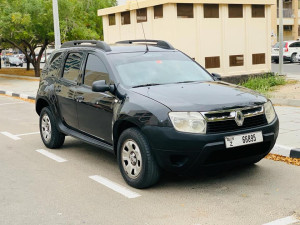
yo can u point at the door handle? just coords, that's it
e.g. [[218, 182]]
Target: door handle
[[79, 98]]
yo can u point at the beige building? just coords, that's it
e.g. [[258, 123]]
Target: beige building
[[225, 36], [291, 20]]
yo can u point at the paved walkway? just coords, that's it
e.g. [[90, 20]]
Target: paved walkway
[[289, 116], [19, 84]]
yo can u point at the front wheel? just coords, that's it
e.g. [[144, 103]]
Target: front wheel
[[50, 135], [137, 164]]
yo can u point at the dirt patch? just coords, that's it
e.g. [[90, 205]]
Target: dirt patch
[[17, 71], [289, 91]]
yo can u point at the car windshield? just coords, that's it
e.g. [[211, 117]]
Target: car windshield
[[156, 68]]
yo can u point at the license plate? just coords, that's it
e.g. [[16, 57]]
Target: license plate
[[243, 139]]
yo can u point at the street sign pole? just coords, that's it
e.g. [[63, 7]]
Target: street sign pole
[[56, 24], [280, 37]]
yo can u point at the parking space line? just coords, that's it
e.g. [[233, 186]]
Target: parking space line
[[27, 134], [14, 137], [12, 103], [51, 155], [284, 221], [114, 186]]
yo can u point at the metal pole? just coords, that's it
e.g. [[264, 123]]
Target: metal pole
[[280, 37], [56, 24]]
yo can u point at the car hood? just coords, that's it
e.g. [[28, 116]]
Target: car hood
[[202, 97]]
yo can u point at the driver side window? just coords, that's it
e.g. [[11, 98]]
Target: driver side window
[[94, 70]]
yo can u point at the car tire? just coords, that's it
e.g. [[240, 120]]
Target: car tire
[[136, 162], [21, 65], [294, 58], [50, 135]]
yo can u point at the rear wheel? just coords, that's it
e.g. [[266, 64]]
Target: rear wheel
[[294, 58], [50, 135], [137, 164]]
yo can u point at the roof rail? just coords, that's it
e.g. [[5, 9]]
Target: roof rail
[[87, 43], [159, 43]]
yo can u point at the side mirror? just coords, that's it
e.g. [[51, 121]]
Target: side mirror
[[216, 76], [101, 86]]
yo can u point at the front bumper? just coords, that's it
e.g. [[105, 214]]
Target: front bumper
[[182, 152]]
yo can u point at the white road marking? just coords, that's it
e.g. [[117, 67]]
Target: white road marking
[[114, 186], [14, 137], [12, 103], [51, 155], [281, 150], [284, 221], [27, 134]]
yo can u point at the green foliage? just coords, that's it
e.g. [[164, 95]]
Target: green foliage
[[33, 19], [264, 83], [28, 24]]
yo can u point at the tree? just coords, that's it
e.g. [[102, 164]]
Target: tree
[[28, 24]]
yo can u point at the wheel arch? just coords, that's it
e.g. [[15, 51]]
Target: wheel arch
[[40, 104], [118, 128]]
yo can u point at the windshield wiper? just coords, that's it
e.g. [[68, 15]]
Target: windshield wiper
[[145, 85]]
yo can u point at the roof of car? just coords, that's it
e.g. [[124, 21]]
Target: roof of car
[[120, 47]]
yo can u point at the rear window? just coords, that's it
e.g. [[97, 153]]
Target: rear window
[[140, 68], [277, 45]]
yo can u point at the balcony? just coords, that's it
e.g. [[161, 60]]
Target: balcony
[[287, 13]]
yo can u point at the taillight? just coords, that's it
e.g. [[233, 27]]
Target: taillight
[[286, 47]]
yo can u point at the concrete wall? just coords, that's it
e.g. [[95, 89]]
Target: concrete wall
[[201, 37]]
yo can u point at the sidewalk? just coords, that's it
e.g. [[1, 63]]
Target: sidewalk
[[289, 117], [19, 84]]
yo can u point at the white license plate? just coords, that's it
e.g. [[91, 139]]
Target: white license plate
[[243, 139]]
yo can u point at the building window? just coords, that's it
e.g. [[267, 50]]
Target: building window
[[236, 60], [235, 11], [185, 10], [212, 62], [259, 58], [211, 11], [112, 19], [299, 30], [141, 15], [158, 11], [125, 18], [258, 11]]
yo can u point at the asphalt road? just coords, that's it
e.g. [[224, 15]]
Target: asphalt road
[[36, 189], [292, 70]]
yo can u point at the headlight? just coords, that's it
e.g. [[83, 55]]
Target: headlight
[[269, 112], [190, 122]]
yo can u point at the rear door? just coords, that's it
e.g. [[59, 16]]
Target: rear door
[[95, 109], [66, 88]]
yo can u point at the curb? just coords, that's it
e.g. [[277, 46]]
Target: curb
[[10, 93], [286, 151]]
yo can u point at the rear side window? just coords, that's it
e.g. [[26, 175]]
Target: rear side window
[[72, 66], [54, 64], [295, 45], [94, 70]]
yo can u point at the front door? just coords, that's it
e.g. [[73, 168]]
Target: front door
[[95, 109], [66, 88]]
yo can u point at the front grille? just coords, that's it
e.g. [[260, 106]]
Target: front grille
[[230, 125]]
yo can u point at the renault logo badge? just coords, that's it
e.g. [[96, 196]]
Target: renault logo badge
[[239, 118]]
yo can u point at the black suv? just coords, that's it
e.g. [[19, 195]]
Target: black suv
[[152, 106]]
